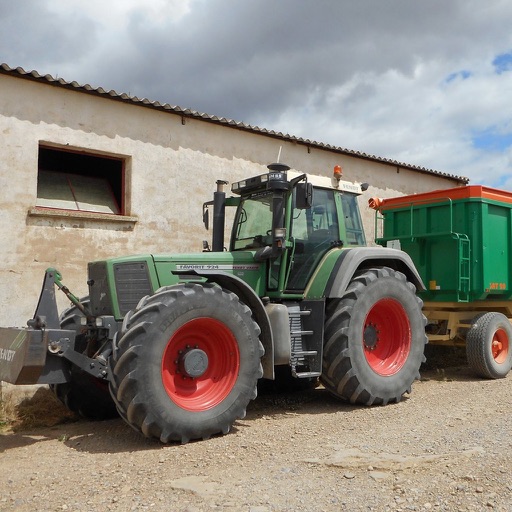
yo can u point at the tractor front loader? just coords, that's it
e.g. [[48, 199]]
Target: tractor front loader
[[176, 344]]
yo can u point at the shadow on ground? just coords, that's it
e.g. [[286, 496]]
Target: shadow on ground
[[43, 417]]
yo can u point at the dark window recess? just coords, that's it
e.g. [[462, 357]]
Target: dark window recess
[[79, 181]]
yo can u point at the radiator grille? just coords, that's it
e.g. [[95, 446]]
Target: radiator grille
[[132, 283]]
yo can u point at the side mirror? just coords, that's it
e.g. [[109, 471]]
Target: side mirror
[[304, 196], [206, 216]]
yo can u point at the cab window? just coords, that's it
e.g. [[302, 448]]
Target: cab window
[[314, 232], [352, 217], [253, 223]]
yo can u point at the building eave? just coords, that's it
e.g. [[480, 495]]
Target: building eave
[[193, 114]]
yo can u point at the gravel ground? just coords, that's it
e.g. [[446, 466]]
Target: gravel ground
[[446, 447]]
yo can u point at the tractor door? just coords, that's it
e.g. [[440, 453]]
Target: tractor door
[[313, 231]]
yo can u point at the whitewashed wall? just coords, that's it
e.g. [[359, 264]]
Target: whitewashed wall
[[171, 170]]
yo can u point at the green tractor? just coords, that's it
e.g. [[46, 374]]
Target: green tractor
[[176, 344]]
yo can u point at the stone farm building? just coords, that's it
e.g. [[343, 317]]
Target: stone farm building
[[88, 174]]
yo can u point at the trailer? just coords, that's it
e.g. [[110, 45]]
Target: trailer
[[460, 241]]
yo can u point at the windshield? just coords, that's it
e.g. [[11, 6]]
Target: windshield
[[253, 223]]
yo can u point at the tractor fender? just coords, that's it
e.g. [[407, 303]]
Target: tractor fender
[[250, 298], [351, 261]]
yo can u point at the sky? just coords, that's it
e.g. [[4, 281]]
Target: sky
[[428, 83]]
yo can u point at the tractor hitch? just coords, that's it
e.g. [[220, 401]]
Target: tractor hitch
[[28, 353]]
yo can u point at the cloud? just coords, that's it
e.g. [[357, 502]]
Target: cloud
[[427, 83], [33, 34]]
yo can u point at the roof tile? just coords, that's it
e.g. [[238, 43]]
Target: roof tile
[[34, 75]]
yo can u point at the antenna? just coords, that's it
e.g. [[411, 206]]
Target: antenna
[[279, 154]]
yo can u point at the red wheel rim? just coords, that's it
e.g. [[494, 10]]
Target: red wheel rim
[[386, 337], [219, 345], [500, 346]]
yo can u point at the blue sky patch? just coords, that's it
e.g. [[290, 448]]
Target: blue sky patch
[[463, 75], [491, 139], [502, 181], [503, 63]]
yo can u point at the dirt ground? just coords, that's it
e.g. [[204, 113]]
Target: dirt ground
[[446, 447]]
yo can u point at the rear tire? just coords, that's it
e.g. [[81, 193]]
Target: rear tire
[[187, 363], [83, 394], [374, 339], [488, 345]]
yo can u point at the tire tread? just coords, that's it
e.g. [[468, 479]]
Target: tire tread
[[339, 374]]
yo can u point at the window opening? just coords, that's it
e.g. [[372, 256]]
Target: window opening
[[79, 181]]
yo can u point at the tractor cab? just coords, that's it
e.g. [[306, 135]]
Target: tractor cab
[[291, 221]]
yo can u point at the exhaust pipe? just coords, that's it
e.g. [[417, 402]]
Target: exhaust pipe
[[219, 214]]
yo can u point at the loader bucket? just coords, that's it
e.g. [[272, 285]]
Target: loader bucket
[[22, 355]]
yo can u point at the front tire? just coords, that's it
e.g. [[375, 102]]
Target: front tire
[[187, 363], [488, 345], [84, 394], [374, 339]]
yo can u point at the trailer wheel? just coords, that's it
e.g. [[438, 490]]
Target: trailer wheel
[[187, 363], [83, 394], [488, 345], [374, 339]]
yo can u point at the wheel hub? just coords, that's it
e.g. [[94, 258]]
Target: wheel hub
[[497, 348], [370, 336], [193, 363]]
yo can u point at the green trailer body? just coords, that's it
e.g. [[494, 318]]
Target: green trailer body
[[460, 242], [459, 239]]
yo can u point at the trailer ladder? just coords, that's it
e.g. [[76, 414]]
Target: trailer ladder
[[464, 271]]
